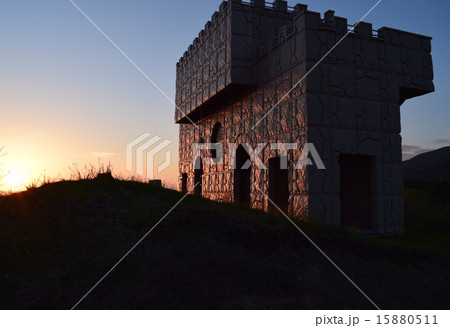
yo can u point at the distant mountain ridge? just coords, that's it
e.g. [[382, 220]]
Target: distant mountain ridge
[[433, 166]]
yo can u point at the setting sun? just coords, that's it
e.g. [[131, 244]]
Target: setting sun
[[14, 181]]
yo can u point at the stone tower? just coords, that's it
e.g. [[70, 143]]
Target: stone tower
[[245, 61]]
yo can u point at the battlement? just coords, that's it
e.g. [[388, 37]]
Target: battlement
[[227, 52], [339, 25], [224, 9], [205, 33]]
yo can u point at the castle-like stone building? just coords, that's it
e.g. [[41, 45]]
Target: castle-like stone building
[[247, 59]]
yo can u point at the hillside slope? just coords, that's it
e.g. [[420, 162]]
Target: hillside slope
[[57, 241], [433, 166]]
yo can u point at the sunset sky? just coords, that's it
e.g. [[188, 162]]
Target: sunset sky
[[68, 96]]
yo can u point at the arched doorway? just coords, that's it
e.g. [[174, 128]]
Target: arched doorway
[[217, 136], [242, 177]]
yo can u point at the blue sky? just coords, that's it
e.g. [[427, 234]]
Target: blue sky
[[67, 95]]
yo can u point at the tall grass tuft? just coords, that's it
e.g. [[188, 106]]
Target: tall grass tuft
[[89, 171]]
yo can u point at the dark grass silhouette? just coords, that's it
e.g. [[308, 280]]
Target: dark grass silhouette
[[58, 240]]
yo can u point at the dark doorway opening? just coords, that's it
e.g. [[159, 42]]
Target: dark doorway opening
[[278, 185], [184, 178], [217, 136], [198, 173], [242, 177], [357, 174]]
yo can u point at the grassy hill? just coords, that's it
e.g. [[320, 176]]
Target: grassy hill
[[58, 240]]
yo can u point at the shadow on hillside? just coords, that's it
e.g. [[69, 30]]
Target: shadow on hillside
[[58, 240]]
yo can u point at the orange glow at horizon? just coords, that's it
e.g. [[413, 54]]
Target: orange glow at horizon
[[32, 164], [14, 181]]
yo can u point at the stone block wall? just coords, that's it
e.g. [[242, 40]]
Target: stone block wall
[[225, 52], [348, 105]]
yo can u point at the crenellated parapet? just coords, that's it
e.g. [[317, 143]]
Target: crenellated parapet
[[224, 53], [227, 53], [210, 27], [224, 9]]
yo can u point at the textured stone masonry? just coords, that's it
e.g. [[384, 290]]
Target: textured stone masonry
[[246, 60]]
